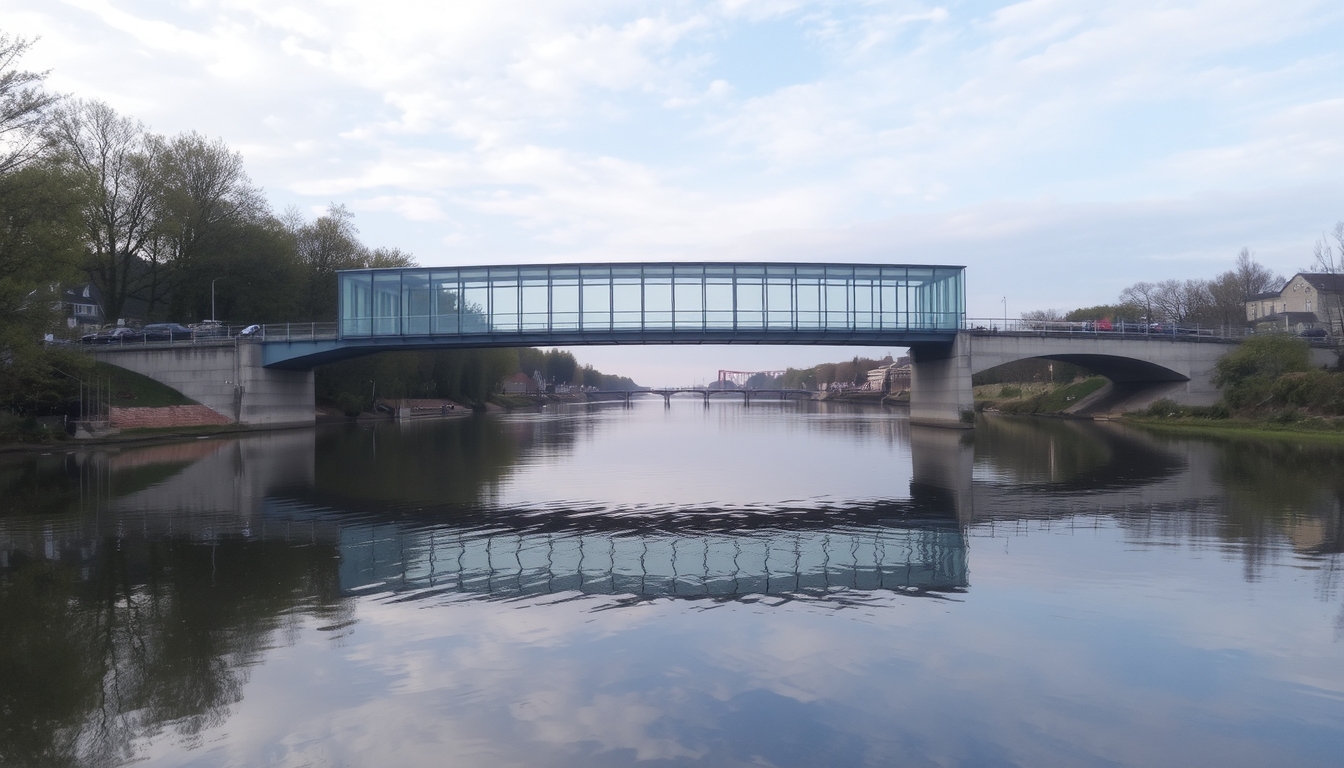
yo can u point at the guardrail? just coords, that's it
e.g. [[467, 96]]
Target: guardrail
[[221, 334], [1102, 328]]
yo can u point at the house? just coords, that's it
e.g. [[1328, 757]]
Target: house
[[520, 384], [1307, 300], [82, 306]]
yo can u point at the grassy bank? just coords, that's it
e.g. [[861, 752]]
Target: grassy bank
[[1312, 428], [1035, 398], [131, 390]]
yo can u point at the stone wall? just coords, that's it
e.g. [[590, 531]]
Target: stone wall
[[167, 416]]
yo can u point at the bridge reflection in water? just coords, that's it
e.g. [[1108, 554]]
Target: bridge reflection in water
[[930, 557]]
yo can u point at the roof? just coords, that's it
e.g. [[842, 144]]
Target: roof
[[1324, 281], [1265, 295]]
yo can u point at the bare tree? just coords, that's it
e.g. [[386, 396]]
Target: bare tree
[[1181, 301], [1141, 294], [1253, 277], [24, 106], [1325, 257], [119, 220]]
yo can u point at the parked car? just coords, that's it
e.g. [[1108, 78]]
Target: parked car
[[1314, 333], [209, 329], [166, 332], [118, 335]]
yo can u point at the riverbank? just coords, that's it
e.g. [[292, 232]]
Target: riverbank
[[1309, 427]]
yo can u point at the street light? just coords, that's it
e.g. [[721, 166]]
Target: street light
[[212, 298]]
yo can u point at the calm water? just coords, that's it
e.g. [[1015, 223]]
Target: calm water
[[774, 585]]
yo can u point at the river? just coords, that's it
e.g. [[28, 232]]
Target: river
[[783, 584]]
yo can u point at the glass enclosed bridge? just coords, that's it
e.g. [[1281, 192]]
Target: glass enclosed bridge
[[655, 303]]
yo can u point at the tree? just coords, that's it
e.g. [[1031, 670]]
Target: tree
[[1180, 301], [1247, 373], [1043, 315], [40, 248], [203, 198], [1140, 295], [24, 106], [1325, 259], [119, 219]]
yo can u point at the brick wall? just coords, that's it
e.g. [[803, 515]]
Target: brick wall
[[168, 416]]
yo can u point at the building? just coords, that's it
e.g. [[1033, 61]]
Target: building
[[1307, 300], [520, 384], [82, 306], [892, 377]]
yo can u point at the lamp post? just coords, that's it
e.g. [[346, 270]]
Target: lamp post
[[1005, 313], [212, 298]]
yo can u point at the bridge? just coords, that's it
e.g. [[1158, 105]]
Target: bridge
[[267, 378], [667, 393]]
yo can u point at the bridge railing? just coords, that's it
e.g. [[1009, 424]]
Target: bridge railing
[[214, 335], [1102, 328]]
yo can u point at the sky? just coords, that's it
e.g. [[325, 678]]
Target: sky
[[1059, 149]]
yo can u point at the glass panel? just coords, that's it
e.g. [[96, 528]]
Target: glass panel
[[779, 303], [596, 303], [447, 300], [750, 302], [536, 304], [837, 304], [657, 303], [865, 317], [887, 295], [809, 303], [627, 304], [719, 302], [356, 308], [504, 305], [418, 301], [689, 296], [475, 305], [565, 303], [386, 303]]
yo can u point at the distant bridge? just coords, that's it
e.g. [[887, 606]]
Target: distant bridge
[[706, 393]]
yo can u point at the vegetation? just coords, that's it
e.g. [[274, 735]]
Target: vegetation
[[1042, 398], [1267, 383], [851, 373]]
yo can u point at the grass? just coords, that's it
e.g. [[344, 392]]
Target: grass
[[1037, 398], [132, 390], [1327, 430]]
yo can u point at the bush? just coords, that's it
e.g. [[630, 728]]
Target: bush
[[1247, 374], [1010, 392]]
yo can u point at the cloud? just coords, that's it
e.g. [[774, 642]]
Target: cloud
[[596, 129]]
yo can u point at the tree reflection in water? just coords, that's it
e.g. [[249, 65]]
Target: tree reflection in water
[[143, 637]]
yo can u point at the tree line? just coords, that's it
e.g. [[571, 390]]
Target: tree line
[[1217, 302]]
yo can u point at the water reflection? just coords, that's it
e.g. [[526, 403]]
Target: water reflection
[[142, 588]]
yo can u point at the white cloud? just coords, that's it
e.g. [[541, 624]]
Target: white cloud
[[599, 129]]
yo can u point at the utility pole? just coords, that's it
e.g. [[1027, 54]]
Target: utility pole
[[212, 298]]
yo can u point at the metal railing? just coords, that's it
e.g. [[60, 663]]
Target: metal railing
[[217, 335], [1103, 328]]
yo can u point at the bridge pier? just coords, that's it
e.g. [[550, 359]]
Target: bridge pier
[[227, 378], [940, 384]]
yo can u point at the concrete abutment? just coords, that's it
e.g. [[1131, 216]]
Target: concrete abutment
[[227, 378]]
